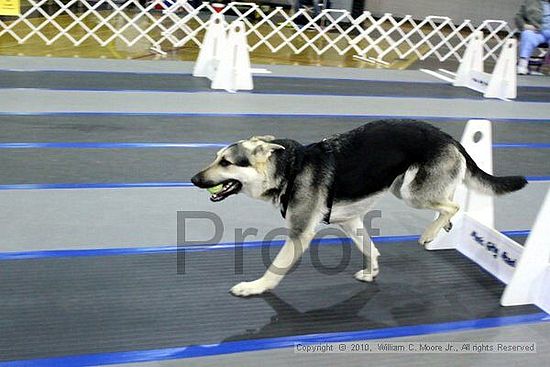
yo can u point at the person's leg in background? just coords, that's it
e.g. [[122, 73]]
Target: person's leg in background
[[529, 40], [300, 20], [316, 8], [299, 4]]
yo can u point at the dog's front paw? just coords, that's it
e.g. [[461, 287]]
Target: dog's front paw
[[245, 289]]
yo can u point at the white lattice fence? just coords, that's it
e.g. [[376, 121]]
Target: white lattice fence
[[174, 23]]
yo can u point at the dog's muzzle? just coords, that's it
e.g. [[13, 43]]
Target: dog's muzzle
[[229, 187]]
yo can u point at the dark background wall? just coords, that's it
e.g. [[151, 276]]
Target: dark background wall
[[458, 10]]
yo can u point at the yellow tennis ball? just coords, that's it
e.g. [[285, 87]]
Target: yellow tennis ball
[[215, 189]]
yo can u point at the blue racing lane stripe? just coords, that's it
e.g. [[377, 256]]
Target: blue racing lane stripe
[[194, 351], [22, 255], [101, 145], [124, 145], [537, 178], [131, 185], [522, 145], [105, 185]]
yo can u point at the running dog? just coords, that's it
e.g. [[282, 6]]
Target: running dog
[[339, 178]]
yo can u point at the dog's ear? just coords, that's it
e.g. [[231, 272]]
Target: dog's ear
[[263, 151], [262, 138]]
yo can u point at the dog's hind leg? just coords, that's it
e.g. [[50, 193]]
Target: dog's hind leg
[[356, 230], [432, 186], [447, 209], [449, 225]]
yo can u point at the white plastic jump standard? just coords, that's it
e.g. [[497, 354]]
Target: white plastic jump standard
[[502, 83], [224, 56], [531, 281], [526, 270], [471, 64], [211, 49], [234, 72], [477, 140]]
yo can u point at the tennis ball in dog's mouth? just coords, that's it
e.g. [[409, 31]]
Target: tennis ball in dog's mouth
[[215, 189]]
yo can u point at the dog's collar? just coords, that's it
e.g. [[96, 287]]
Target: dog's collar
[[330, 194], [292, 171]]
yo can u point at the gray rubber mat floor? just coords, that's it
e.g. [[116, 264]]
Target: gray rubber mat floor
[[24, 63], [94, 81], [221, 128], [138, 302], [40, 166], [14, 101], [44, 166]]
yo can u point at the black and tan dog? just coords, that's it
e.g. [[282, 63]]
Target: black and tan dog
[[338, 179]]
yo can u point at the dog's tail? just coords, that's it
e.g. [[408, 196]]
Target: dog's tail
[[481, 181]]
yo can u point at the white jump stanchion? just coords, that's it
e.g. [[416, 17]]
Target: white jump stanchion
[[531, 281], [472, 62], [473, 232], [477, 140], [234, 72], [211, 49], [224, 58], [502, 83], [526, 270]]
